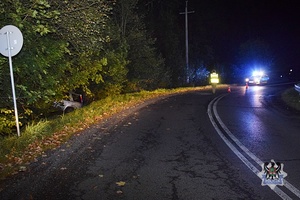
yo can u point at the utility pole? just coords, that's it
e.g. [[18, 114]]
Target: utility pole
[[187, 40]]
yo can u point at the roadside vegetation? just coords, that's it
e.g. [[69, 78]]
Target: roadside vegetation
[[292, 98]]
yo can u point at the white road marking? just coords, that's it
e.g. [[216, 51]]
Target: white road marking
[[213, 104]]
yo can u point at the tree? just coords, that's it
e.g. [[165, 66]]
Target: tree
[[96, 47], [161, 17], [62, 39], [62, 52], [145, 65], [37, 65], [115, 71]]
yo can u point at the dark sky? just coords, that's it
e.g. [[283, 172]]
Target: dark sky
[[229, 23]]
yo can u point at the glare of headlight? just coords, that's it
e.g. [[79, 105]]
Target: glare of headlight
[[257, 80], [258, 73], [247, 79]]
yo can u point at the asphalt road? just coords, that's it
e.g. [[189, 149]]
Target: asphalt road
[[267, 129], [168, 149]]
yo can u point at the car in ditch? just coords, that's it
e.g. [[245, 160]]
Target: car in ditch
[[69, 105]]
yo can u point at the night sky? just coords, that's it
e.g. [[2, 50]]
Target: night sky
[[229, 23]]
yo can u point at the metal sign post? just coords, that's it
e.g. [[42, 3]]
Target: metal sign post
[[11, 42]]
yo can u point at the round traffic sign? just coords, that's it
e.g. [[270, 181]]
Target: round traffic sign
[[10, 38]]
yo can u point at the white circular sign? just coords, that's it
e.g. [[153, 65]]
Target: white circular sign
[[10, 35]]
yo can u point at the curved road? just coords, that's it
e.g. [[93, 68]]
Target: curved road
[[168, 149], [265, 129]]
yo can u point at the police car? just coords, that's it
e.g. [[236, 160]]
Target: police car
[[258, 78]]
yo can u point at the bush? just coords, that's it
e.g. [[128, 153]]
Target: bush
[[7, 122]]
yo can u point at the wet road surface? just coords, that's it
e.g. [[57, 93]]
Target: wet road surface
[[266, 128]]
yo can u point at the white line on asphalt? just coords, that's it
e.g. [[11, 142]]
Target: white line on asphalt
[[247, 151], [277, 190]]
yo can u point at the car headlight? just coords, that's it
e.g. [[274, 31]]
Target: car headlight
[[257, 80]]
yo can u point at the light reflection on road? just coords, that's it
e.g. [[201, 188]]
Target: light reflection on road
[[256, 94], [253, 127], [252, 124]]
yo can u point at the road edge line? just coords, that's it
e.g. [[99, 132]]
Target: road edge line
[[278, 191]]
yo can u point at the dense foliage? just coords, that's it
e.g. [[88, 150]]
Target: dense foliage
[[97, 48]]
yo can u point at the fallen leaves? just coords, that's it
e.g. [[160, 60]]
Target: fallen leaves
[[22, 168], [34, 150], [119, 192], [121, 183]]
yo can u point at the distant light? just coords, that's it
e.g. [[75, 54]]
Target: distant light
[[291, 70]]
